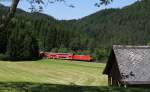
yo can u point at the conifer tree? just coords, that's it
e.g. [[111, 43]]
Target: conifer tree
[[22, 46]]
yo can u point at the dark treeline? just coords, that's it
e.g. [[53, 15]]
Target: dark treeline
[[93, 34]]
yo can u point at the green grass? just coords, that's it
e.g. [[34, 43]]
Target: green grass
[[55, 76], [54, 72]]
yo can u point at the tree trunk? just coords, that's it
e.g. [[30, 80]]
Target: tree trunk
[[6, 18]]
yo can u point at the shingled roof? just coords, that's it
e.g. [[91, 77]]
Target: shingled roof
[[133, 63]]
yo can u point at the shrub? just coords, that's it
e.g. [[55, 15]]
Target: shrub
[[3, 57]]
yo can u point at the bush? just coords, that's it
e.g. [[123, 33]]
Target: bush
[[3, 57], [63, 50], [100, 54]]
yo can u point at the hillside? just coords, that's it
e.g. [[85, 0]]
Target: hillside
[[129, 25], [47, 30], [96, 32]]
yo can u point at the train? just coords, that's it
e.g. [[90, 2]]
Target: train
[[66, 56]]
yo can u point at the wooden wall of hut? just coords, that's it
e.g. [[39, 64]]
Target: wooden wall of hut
[[114, 75]]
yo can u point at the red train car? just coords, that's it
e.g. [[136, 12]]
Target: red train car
[[82, 57], [68, 56], [59, 55], [56, 55]]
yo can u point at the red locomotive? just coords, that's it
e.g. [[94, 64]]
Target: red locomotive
[[67, 56]]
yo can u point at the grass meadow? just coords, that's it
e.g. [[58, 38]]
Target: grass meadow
[[56, 76]]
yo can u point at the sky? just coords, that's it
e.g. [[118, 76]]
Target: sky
[[82, 8]]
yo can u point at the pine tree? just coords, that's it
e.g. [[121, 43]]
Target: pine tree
[[3, 41], [22, 46]]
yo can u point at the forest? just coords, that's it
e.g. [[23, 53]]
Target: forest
[[30, 33]]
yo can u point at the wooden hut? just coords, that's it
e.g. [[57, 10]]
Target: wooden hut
[[128, 66]]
